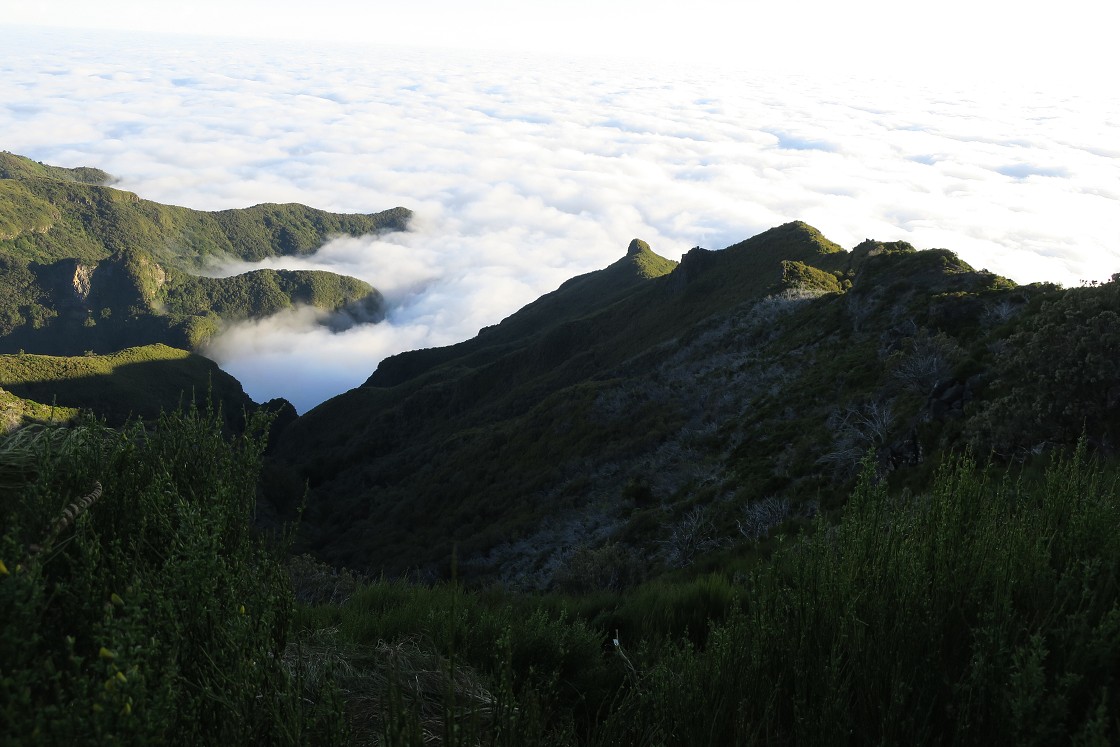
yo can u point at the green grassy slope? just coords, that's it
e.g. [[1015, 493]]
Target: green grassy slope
[[136, 382], [16, 412], [48, 214], [19, 167], [85, 267]]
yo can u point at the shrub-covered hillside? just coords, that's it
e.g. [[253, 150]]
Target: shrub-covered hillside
[[138, 608], [86, 267], [662, 417]]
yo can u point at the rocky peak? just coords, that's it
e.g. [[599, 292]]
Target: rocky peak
[[637, 246]]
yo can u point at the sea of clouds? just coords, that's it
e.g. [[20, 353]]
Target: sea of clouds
[[525, 171]]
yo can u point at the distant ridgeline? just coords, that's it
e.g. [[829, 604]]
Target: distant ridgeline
[[85, 267], [88, 270], [646, 415]]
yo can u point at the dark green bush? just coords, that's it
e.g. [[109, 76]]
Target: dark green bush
[[149, 615], [986, 612]]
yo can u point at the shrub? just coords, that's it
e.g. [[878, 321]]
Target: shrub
[[986, 612], [611, 567], [148, 614]]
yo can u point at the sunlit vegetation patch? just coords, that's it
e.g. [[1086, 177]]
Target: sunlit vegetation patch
[[21, 212], [140, 382], [84, 266], [16, 412]]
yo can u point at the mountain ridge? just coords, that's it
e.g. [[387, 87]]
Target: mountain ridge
[[87, 267], [575, 297], [91, 220], [600, 418], [626, 408]]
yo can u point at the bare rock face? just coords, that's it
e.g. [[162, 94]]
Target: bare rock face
[[83, 276], [695, 262]]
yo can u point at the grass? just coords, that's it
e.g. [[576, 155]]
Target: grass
[[141, 382], [983, 609]]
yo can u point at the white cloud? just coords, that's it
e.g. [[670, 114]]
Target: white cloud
[[1022, 41], [523, 174]]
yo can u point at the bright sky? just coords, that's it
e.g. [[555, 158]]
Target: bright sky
[[1022, 40]]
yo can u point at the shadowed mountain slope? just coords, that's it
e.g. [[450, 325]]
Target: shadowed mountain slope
[[658, 418], [577, 298], [605, 409]]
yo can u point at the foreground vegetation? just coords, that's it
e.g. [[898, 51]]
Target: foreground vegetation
[[137, 608], [983, 609]]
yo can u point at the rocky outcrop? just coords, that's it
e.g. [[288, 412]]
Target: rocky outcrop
[[83, 277], [694, 263]]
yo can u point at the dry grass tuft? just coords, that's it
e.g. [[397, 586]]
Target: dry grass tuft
[[67, 518], [318, 583], [370, 678], [22, 451]]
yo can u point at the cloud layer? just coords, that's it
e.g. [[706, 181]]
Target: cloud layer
[[524, 172]]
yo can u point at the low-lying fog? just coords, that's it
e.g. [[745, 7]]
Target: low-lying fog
[[524, 172]]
